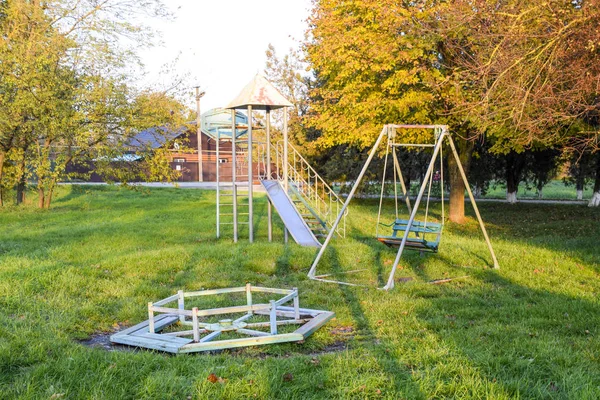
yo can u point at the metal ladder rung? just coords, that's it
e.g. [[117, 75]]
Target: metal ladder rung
[[231, 214]]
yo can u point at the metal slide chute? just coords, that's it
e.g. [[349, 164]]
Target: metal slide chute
[[289, 214]]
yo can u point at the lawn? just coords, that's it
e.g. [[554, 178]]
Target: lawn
[[90, 265], [554, 190]]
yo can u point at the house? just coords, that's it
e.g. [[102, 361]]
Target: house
[[183, 146], [215, 123]]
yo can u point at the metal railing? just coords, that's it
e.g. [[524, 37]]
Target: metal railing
[[321, 198]]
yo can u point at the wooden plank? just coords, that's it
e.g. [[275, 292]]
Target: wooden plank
[[252, 332], [242, 318], [306, 311], [307, 329], [214, 291], [159, 324], [175, 311], [214, 311], [285, 314], [284, 322], [183, 333], [141, 325], [139, 341], [286, 299], [271, 290], [210, 336], [165, 338], [232, 310], [233, 343], [167, 300]]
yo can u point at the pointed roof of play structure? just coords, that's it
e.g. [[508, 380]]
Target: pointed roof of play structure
[[261, 95]]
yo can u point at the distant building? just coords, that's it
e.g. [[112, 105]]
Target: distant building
[[215, 122], [184, 148]]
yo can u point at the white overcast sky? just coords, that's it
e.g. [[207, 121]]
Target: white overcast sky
[[222, 43]]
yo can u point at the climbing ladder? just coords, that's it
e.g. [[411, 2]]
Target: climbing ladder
[[233, 205]]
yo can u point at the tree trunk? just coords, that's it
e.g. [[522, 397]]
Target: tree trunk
[[514, 167], [41, 198], [22, 182], [49, 193], [580, 183], [2, 157], [595, 201], [457, 185], [21, 186]]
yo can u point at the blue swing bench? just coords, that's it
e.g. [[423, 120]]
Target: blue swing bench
[[416, 240]]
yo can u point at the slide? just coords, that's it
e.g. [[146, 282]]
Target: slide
[[289, 214]]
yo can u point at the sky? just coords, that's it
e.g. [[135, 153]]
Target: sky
[[221, 44]]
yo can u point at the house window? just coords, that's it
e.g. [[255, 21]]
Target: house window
[[179, 160], [222, 160], [178, 167]]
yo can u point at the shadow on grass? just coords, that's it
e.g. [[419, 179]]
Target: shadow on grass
[[399, 374], [533, 343]]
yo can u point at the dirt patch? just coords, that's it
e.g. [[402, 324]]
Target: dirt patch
[[101, 340], [332, 348]]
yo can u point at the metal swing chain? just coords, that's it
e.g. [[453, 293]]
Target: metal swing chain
[[438, 136], [387, 152], [395, 184], [427, 205], [442, 178]]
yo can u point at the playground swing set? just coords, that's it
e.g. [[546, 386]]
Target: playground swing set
[[410, 234]]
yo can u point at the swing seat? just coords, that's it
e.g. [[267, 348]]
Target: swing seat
[[417, 241]]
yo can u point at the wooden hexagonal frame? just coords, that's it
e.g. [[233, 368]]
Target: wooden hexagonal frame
[[148, 334]]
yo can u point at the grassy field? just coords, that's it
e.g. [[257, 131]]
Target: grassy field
[[554, 190], [90, 265]]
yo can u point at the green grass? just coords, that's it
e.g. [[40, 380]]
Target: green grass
[[91, 263], [554, 190]]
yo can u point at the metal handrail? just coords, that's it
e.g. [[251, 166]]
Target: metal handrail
[[323, 199]]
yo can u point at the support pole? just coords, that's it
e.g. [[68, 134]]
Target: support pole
[[285, 163], [273, 317], [199, 132], [313, 268], [233, 176], [481, 225], [402, 184], [150, 318], [269, 205], [181, 305], [218, 178], [296, 305], [250, 180], [249, 297], [195, 325], [390, 282]]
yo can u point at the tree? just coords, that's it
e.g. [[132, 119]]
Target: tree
[[371, 67], [530, 68], [64, 87], [378, 62], [581, 169]]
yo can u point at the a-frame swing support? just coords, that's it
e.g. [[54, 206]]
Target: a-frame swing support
[[389, 130]]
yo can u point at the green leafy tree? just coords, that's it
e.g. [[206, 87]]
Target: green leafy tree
[[66, 95]]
